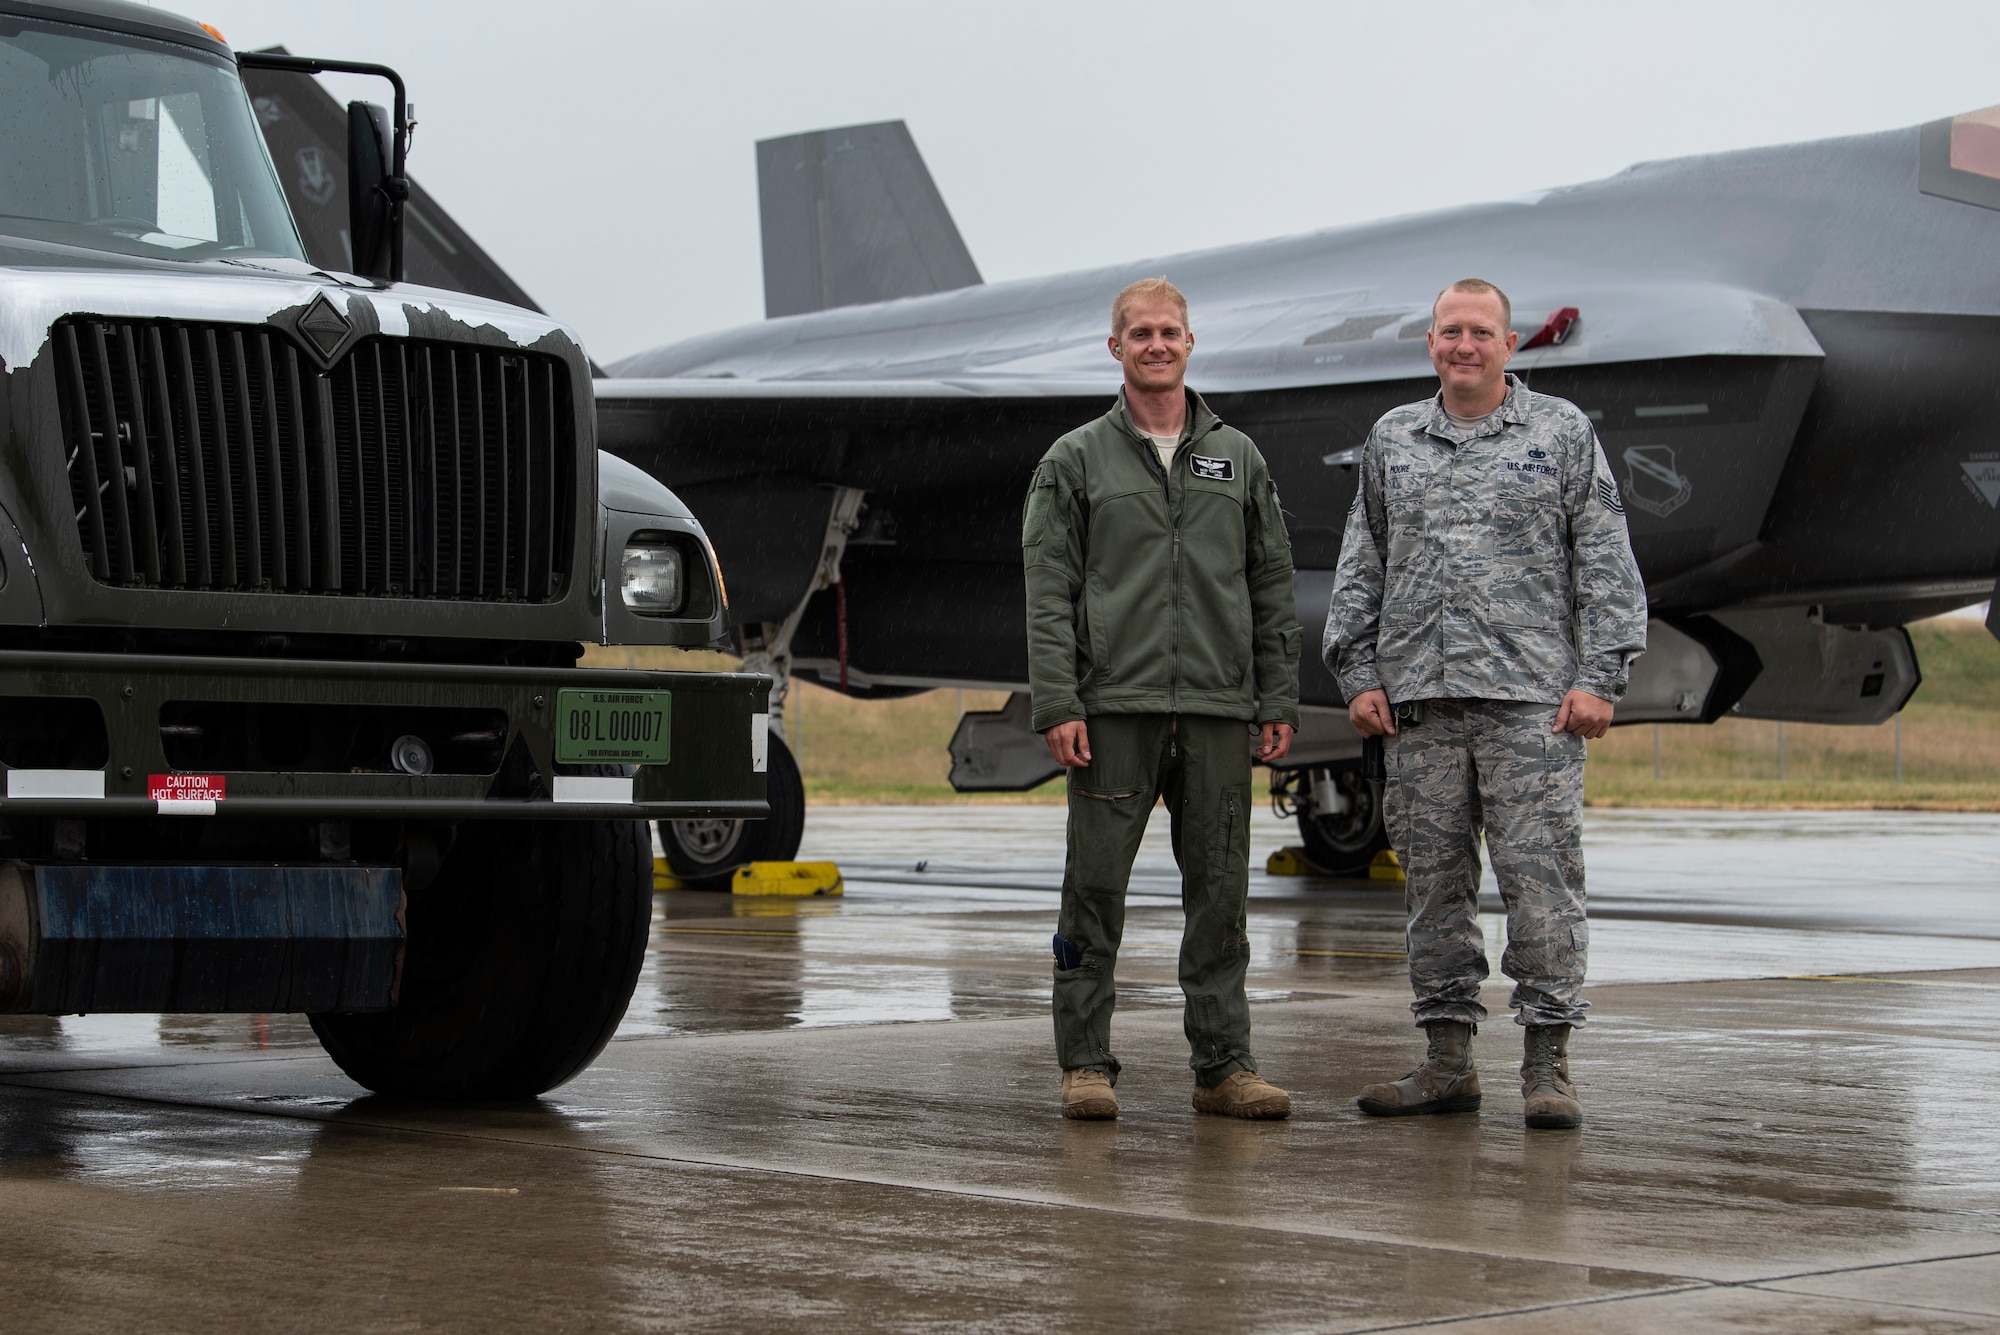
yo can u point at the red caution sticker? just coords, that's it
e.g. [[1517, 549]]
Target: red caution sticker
[[185, 787]]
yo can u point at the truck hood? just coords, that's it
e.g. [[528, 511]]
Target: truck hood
[[42, 282], [627, 487]]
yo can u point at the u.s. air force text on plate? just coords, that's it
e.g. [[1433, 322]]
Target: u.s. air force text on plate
[[613, 727]]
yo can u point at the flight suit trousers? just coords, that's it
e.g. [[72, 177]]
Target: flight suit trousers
[[1201, 766], [1491, 764]]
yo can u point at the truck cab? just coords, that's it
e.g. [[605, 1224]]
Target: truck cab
[[296, 567]]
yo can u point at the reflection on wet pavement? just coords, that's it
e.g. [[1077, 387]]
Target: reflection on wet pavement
[[840, 1113], [83, 1034], [1675, 896]]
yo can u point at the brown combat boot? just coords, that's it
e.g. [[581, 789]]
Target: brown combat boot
[[1244, 1094], [1087, 1096], [1551, 1098], [1445, 1083]]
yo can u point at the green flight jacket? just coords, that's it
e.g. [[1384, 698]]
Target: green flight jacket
[[1158, 591]]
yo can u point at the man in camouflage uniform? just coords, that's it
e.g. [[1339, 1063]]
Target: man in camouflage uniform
[[1486, 587]]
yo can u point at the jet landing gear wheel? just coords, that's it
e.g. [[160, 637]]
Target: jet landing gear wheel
[[705, 852], [1340, 820], [520, 962]]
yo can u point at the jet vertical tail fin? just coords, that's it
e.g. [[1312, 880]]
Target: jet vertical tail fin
[[851, 216]]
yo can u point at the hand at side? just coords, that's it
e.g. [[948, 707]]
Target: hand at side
[[1275, 741], [1069, 744], [1584, 714], [1370, 714]]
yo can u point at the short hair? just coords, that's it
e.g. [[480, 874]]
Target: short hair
[[1139, 291], [1477, 286]]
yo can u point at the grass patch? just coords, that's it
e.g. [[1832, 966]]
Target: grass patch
[[1950, 736], [894, 751], [857, 751], [890, 750]]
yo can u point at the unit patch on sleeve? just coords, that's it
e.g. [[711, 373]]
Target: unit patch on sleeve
[[1215, 470]]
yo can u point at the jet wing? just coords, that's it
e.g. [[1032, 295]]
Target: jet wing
[[1693, 388], [617, 389], [942, 465]]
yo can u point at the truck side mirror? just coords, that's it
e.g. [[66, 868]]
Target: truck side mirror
[[374, 212], [378, 182]]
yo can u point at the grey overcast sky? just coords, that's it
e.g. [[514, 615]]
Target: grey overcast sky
[[602, 150]]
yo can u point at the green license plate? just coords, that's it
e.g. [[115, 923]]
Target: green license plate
[[613, 727]]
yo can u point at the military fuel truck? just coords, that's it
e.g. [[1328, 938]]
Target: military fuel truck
[[296, 567]]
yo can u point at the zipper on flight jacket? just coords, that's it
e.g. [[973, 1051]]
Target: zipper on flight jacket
[[1174, 569]]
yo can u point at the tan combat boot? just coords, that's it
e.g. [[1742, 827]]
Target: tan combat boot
[[1445, 1083], [1551, 1098], [1087, 1096], [1244, 1094]]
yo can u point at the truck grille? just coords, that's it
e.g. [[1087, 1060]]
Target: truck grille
[[217, 456]]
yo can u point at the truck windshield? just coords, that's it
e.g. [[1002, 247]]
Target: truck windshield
[[123, 144]]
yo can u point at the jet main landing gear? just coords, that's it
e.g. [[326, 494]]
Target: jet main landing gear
[[707, 852], [1339, 814]]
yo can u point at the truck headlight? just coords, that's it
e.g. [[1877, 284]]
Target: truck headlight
[[653, 578]]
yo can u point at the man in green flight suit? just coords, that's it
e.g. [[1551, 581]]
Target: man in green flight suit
[[1162, 634]]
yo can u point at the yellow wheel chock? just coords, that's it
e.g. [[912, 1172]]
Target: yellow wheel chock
[[1290, 862], [800, 879], [1385, 867]]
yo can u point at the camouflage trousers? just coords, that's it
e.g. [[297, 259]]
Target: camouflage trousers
[[1201, 766], [1491, 765]]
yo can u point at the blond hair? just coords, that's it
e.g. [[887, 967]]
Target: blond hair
[[1144, 289], [1477, 286]]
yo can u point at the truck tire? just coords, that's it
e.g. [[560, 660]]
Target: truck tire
[[706, 852], [520, 961], [1345, 844]]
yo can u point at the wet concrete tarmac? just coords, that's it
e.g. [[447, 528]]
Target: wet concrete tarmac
[[840, 1114]]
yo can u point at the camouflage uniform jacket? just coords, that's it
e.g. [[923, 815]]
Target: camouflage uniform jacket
[[1494, 568]]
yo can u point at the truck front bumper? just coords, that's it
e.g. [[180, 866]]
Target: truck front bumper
[[717, 723]]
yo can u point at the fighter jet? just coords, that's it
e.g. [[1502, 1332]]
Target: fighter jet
[[1787, 352]]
